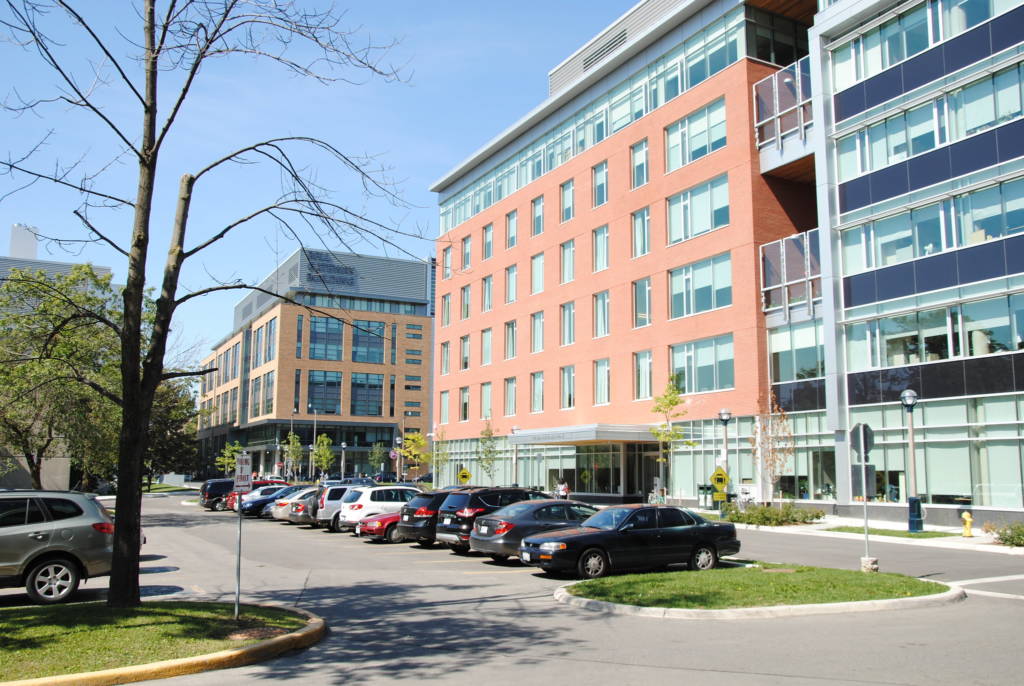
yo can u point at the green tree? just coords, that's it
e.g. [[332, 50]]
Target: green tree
[[323, 455], [172, 443], [134, 74], [414, 449], [379, 456], [226, 460], [488, 458], [440, 455], [292, 454], [668, 407]]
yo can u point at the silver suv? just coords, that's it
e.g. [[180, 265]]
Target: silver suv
[[50, 541]]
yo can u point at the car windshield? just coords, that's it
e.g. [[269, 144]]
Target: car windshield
[[455, 501], [285, 492], [352, 495], [514, 510], [607, 519]]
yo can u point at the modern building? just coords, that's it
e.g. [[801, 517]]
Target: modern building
[[348, 354], [771, 205]]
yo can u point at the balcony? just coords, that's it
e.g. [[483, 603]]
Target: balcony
[[782, 115], [791, 278]]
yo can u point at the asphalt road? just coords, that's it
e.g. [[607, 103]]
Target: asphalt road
[[402, 613]]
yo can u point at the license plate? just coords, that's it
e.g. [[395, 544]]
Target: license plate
[[357, 529], [526, 557], [484, 530], [405, 518], [447, 520]]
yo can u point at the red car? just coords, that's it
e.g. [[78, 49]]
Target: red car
[[383, 527], [230, 502]]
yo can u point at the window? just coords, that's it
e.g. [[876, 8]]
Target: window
[[566, 194], [323, 392], [602, 381], [642, 370], [485, 400], [268, 393], [511, 229], [367, 395], [464, 352], [443, 407], [325, 335], [467, 252], [695, 136], [464, 404], [510, 396], [796, 352], [600, 248], [368, 341], [701, 286], [568, 387], [704, 365], [537, 392], [298, 344], [446, 263], [510, 340], [638, 157], [537, 208], [567, 261], [485, 346], [602, 314], [641, 232], [510, 283], [568, 321], [642, 302], [487, 239], [446, 309], [536, 332], [599, 176], [486, 293], [445, 357], [698, 210], [537, 273], [257, 355], [296, 398], [271, 350], [465, 297]]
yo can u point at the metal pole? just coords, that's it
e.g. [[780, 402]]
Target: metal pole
[[864, 488], [312, 446], [238, 556], [914, 523]]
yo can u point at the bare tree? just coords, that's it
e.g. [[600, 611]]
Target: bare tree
[[772, 442], [136, 86]]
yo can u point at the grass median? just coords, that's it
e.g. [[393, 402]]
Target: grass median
[[897, 533], [759, 586], [41, 641]]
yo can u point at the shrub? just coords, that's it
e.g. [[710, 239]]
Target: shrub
[[769, 515], [1010, 534]]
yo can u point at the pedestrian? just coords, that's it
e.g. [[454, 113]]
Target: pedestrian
[[562, 490]]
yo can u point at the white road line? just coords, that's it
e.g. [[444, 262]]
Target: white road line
[[987, 580], [993, 594], [503, 571]]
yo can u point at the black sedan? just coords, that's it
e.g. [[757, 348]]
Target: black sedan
[[500, 533], [254, 507], [632, 537]]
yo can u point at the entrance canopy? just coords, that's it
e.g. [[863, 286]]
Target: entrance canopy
[[587, 433]]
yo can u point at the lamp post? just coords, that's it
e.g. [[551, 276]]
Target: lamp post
[[343, 446], [398, 458], [312, 445], [914, 522], [724, 415], [515, 459]]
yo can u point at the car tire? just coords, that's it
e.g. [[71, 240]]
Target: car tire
[[333, 526], [52, 581], [704, 557], [497, 557], [459, 549], [592, 564], [425, 543], [314, 524], [220, 506], [391, 535]]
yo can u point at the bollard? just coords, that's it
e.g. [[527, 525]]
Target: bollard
[[869, 564], [966, 516]]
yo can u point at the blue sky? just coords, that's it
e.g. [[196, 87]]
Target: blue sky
[[471, 69]]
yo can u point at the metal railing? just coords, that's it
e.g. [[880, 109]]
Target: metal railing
[[782, 104], [791, 272]]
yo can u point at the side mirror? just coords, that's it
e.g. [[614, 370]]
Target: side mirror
[[627, 527]]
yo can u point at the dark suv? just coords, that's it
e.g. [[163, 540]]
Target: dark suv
[[418, 517], [213, 493], [461, 508]]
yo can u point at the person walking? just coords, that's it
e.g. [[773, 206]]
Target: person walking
[[562, 490]]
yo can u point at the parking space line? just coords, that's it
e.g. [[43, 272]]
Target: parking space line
[[993, 594], [987, 580], [439, 562], [503, 571]]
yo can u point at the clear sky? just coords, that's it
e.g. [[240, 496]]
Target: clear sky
[[470, 70]]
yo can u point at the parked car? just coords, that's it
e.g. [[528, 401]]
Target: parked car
[[385, 477], [328, 503], [52, 541], [255, 507], [303, 510], [424, 479], [357, 481], [461, 508], [364, 501], [282, 506], [499, 533], [381, 527], [632, 537], [213, 492], [419, 517], [231, 502]]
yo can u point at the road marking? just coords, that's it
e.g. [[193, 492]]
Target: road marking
[[987, 580], [503, 571], [993, 594], [199, 589], [440, 562]]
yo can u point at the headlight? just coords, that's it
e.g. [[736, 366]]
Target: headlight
[[552, 546], [373, 525]]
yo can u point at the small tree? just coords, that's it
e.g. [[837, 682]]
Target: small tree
[[226, 460], [414, 449], [379, 456], [667, 405], [773, 446], [488, 451], [292, 453], [323, 455], [440, 456]]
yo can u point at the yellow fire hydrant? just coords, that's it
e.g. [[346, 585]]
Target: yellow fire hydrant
[[966, 516]]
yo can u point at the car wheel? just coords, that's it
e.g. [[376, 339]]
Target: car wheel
[[333, 526], [220, 506], [391, 535], [499, 558], [52, 581], [704, 557], [314, 524], [425, 543], [460, 549], [593, 564]]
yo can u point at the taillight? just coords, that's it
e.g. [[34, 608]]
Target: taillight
[[469, 512], [322, 499], [280, 503], [104, 527], [299, 507], [356, 506], [424, 512], [503, 528]]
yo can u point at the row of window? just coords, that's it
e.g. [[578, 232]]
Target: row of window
[[344, 302], [264, 347], [225, 366], [976, 107], [695, 367]]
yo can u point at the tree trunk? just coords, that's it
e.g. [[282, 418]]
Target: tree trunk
[[35, 469]]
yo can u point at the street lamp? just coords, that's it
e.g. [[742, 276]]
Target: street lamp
[[313, 444], [515, 459], [398, 458], [914, 522], [724, 415], [343, 446]]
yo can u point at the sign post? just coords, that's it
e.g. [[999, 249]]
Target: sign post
[[464, 476], [243, 484], [862, 439], [720, 480]]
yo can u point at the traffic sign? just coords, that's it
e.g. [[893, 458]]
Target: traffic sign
[[719, 479], [394, 454], [718, 496], [464, 476], [855, 439], [243, 472]]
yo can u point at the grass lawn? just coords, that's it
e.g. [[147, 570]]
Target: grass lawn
[[764, 586], [890, 532], [42, 641]]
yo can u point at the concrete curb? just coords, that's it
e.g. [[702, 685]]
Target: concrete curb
[[954, 594], [308, 635]]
